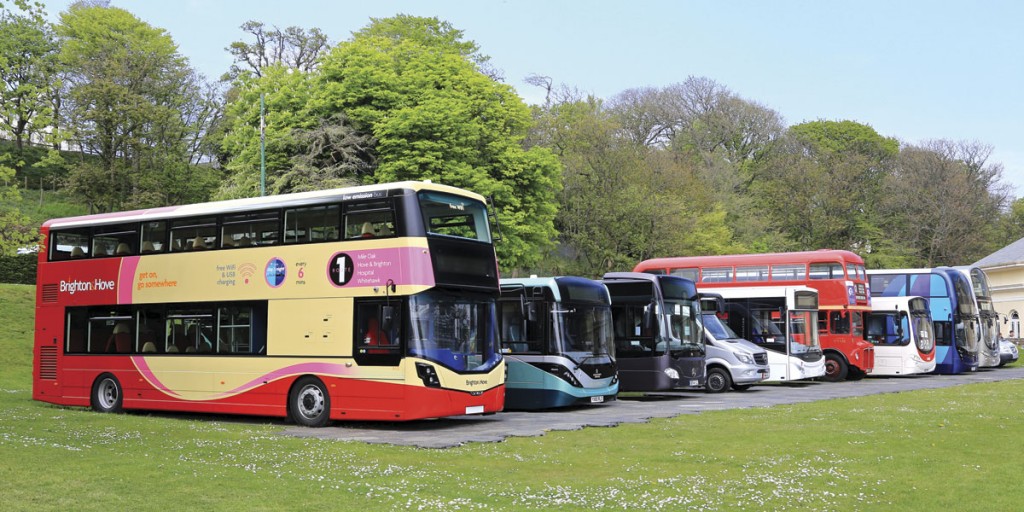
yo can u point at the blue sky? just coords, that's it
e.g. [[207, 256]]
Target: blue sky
[[914, 70]]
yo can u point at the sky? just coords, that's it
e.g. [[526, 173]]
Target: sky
[[914, 70]]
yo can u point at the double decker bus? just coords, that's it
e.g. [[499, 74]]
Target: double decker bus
[[659, 343], [903, 334], [988, 319], [365, 303], [951, 304], [556, 338], [782, 320], [838, 276]]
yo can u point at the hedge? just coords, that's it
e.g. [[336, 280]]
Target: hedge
[[19, 269]]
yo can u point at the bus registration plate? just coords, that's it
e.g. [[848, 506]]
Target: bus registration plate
[[475, 409], [694, 383], [596, 399]]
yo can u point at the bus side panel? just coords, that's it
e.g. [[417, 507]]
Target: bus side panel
[[406, 402], [46, 355], [531, 388], [310, 327]]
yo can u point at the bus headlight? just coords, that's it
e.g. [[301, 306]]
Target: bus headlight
[[672, 373], [428, 375], [744, 358], [561, 372]]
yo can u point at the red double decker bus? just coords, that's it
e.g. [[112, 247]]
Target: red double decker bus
[[365, 303], [839, 276]]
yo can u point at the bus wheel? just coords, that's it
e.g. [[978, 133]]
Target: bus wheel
[[835, 368], [107, 395], [309, 404], [718, 380]]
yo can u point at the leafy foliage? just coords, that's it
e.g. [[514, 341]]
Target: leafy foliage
[[15, 228], [332, 154], [133, 101], [414, 85], [28, 75], [285, 98]]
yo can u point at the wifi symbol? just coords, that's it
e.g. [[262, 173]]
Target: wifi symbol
[[246, 270]]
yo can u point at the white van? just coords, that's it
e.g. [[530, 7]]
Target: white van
[[731, 361]]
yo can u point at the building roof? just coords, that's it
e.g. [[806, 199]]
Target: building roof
[[1012, 254]]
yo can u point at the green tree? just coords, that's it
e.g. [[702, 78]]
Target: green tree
[[28, 74], [822, 185], [942, 201], [286, 96], [622, 200], [721, 135], [1012, 223], [332, 155], [416, 87], [16, 230], [134, 102]]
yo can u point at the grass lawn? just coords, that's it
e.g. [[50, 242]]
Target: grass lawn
[[953, 448]]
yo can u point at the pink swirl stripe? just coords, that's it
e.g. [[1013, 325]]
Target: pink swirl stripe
[[147, 373], [332, 369], [126, 279]]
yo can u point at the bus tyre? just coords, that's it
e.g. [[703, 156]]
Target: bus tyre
[[107, 395], [309, 404], [836, 368], [718, 380]]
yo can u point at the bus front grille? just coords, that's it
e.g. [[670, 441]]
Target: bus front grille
[[761, 358]]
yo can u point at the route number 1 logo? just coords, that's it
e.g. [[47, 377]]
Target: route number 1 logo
[[340, 269]]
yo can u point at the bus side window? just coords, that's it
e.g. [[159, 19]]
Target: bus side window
[[66, 245], [369, 220], [839, 322]]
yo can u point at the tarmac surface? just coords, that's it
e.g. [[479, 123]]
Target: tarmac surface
[[459, 430]]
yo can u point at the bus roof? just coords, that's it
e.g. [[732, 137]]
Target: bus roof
[[750, 259], [880, 303], [556, 285], [756, 292], [252, 203], [635, 276]]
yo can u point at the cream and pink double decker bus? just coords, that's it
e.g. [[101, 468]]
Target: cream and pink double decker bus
[[839, 277], [365, 303]]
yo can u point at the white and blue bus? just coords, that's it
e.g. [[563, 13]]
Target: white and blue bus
[[556, 337], [988, 319], [903, 334], [951, 303]]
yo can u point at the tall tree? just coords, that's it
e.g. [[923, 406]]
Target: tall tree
[[332, 154], [722, 135], [623, 201], [134, 103], [942, 201], [415, 86], [293, 47], [284, 95], [821, 187], [28, 75]]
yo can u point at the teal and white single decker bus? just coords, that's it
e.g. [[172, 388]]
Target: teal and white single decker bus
[[556, 337]]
